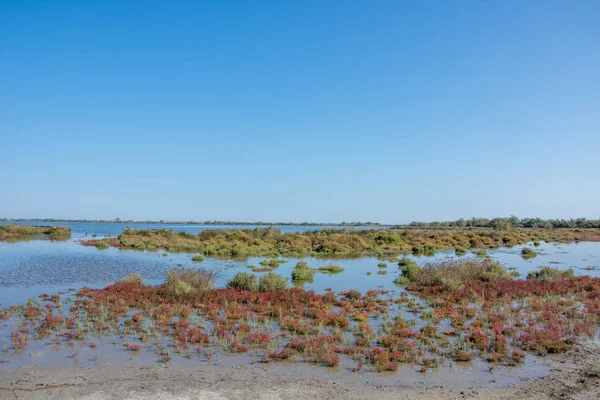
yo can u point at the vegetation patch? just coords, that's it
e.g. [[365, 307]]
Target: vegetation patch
[[549, 274], [271, 242], [302, 274], [490, 318], [17, 232], [331, 269]]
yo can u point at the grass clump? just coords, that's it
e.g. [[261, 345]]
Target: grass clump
[[185, 281], [526, 252], [454, 273], [550, 274], [481, 253], [331, 269], [408, 268], [460, 251], [197, 259], [16, 230], [102, 246], [302, 273], [272, 263], [382, 265], [271, 242], [134, 279], [243, 281], [272, 282]]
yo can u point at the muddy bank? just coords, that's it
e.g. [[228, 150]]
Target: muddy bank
[[574, 375]]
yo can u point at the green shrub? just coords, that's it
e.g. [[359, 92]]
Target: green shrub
[[184, 281], [460, 251], [481, 253], [401, 281], [549, 274], [408, 268], [382, 265], [454, 273], [331, 269], [102, 245], [272, 263], [197, 258], [526, 252], [302, 273], [133, 279], [179, 288], [429, 249], [272, 282], [243, 281]]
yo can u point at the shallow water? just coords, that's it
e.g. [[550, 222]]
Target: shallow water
[[28, 269], [473, 374]]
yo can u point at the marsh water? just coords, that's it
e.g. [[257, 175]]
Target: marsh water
[[30, 268]]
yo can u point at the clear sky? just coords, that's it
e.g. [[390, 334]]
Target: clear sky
[[388, 111]]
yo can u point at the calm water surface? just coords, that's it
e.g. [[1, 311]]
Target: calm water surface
[[30, 268]]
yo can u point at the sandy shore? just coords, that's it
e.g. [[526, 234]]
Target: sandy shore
[[571, 378]]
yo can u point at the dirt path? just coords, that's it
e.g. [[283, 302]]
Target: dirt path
[[572, 378]]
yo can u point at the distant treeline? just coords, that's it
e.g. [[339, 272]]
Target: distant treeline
[[131, 221], [507, 223]]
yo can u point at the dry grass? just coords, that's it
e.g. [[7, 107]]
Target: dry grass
[[454, 273], [185, 281]]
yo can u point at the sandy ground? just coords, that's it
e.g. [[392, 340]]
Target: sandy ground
[[572, 377]]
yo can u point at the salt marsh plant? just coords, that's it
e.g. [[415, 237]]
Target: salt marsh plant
[[243, 281], [270, 242], [302, 273], [185, 281], [272, 282], [451, 274], [549, 274], [16, 231], [526, 253], [331, 269]]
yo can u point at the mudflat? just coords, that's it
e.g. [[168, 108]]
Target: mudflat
[[573, 376]]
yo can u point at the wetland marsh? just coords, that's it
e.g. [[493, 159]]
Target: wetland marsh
[[359, 317]]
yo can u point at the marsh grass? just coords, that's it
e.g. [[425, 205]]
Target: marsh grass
[[331, 269], [185, 281], [243, 281], [302, 273], [385, 243], [452, 274], [526, 253], [15, 230], [550, 274], [133, 279], [272, 282]]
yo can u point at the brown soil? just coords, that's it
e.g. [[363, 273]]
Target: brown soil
[[574, 376]]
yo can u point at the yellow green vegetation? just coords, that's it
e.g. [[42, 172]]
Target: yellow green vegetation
[[270, 242], [14, 231], [451, 274], [549, 274], [270, 282], [331, 269], [526, 252], [182, 282], [302, 273]]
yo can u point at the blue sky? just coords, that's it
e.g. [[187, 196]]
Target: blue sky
[[388, 111]]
